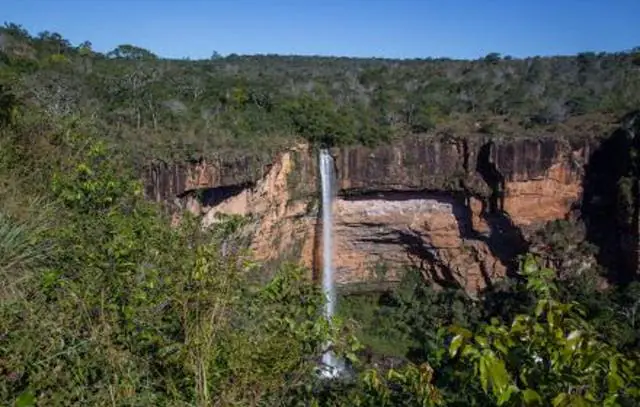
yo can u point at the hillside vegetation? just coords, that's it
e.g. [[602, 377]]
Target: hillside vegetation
[[103, 303], [183, 109]]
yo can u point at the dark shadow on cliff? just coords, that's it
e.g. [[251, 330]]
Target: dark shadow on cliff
[[602, 204], [423, 257], [505, 240], [492, 177], [210, 197]]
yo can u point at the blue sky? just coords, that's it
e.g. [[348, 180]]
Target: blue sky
[[383, 28]]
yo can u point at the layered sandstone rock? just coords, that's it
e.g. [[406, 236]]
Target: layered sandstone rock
[[164, 181], [377, 236], [283, 227], [456, 208]]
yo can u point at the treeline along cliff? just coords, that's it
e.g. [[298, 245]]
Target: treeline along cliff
[[181, 109], [447, 164]]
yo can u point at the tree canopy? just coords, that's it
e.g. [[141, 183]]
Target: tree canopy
[[166, 107]]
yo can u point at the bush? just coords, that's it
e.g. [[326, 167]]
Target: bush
[[129, 311]]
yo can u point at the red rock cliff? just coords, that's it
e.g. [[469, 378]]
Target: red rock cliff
[[457, 208]]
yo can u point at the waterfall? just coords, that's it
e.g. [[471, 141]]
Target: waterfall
[[331, 364]]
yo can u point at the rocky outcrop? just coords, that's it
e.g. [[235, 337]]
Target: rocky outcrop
[[283, 226], [459, 209], [548, 171], [376, 236], [164, 181]]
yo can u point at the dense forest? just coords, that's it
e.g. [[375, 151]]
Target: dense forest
[[102, 303], [182, 108]]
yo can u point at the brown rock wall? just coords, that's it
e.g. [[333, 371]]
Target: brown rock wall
[[453, 207]]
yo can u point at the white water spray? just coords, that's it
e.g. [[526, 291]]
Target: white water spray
[[331, 365]]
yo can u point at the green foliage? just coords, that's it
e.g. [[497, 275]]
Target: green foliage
[[137, 313], [256, 104], [22, 247], [409, 324], [563, 244], [319, 121], [8, 106], [409, 386], [625, 200], [128, 51], [103, 303], [92, 186], [553, 357], [380, 326], [405, 322]]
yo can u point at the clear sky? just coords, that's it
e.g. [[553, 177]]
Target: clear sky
[[383, 28]]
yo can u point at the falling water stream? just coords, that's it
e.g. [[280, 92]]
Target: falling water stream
[[331, 364]]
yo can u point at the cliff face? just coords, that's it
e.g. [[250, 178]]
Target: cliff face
[[166, 181], [459, 209], [504, 171]]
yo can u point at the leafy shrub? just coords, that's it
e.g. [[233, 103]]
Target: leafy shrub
[[553, 357], [138, 313]]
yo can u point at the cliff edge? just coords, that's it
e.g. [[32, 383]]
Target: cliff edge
[[460, 209]]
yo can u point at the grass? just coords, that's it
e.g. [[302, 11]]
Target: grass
[[23, 245]]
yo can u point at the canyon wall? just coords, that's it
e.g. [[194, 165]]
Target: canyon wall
[[459, 209], [166, 181]]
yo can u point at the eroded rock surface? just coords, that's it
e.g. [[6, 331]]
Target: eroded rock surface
[[458, 209], [376, 236]]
